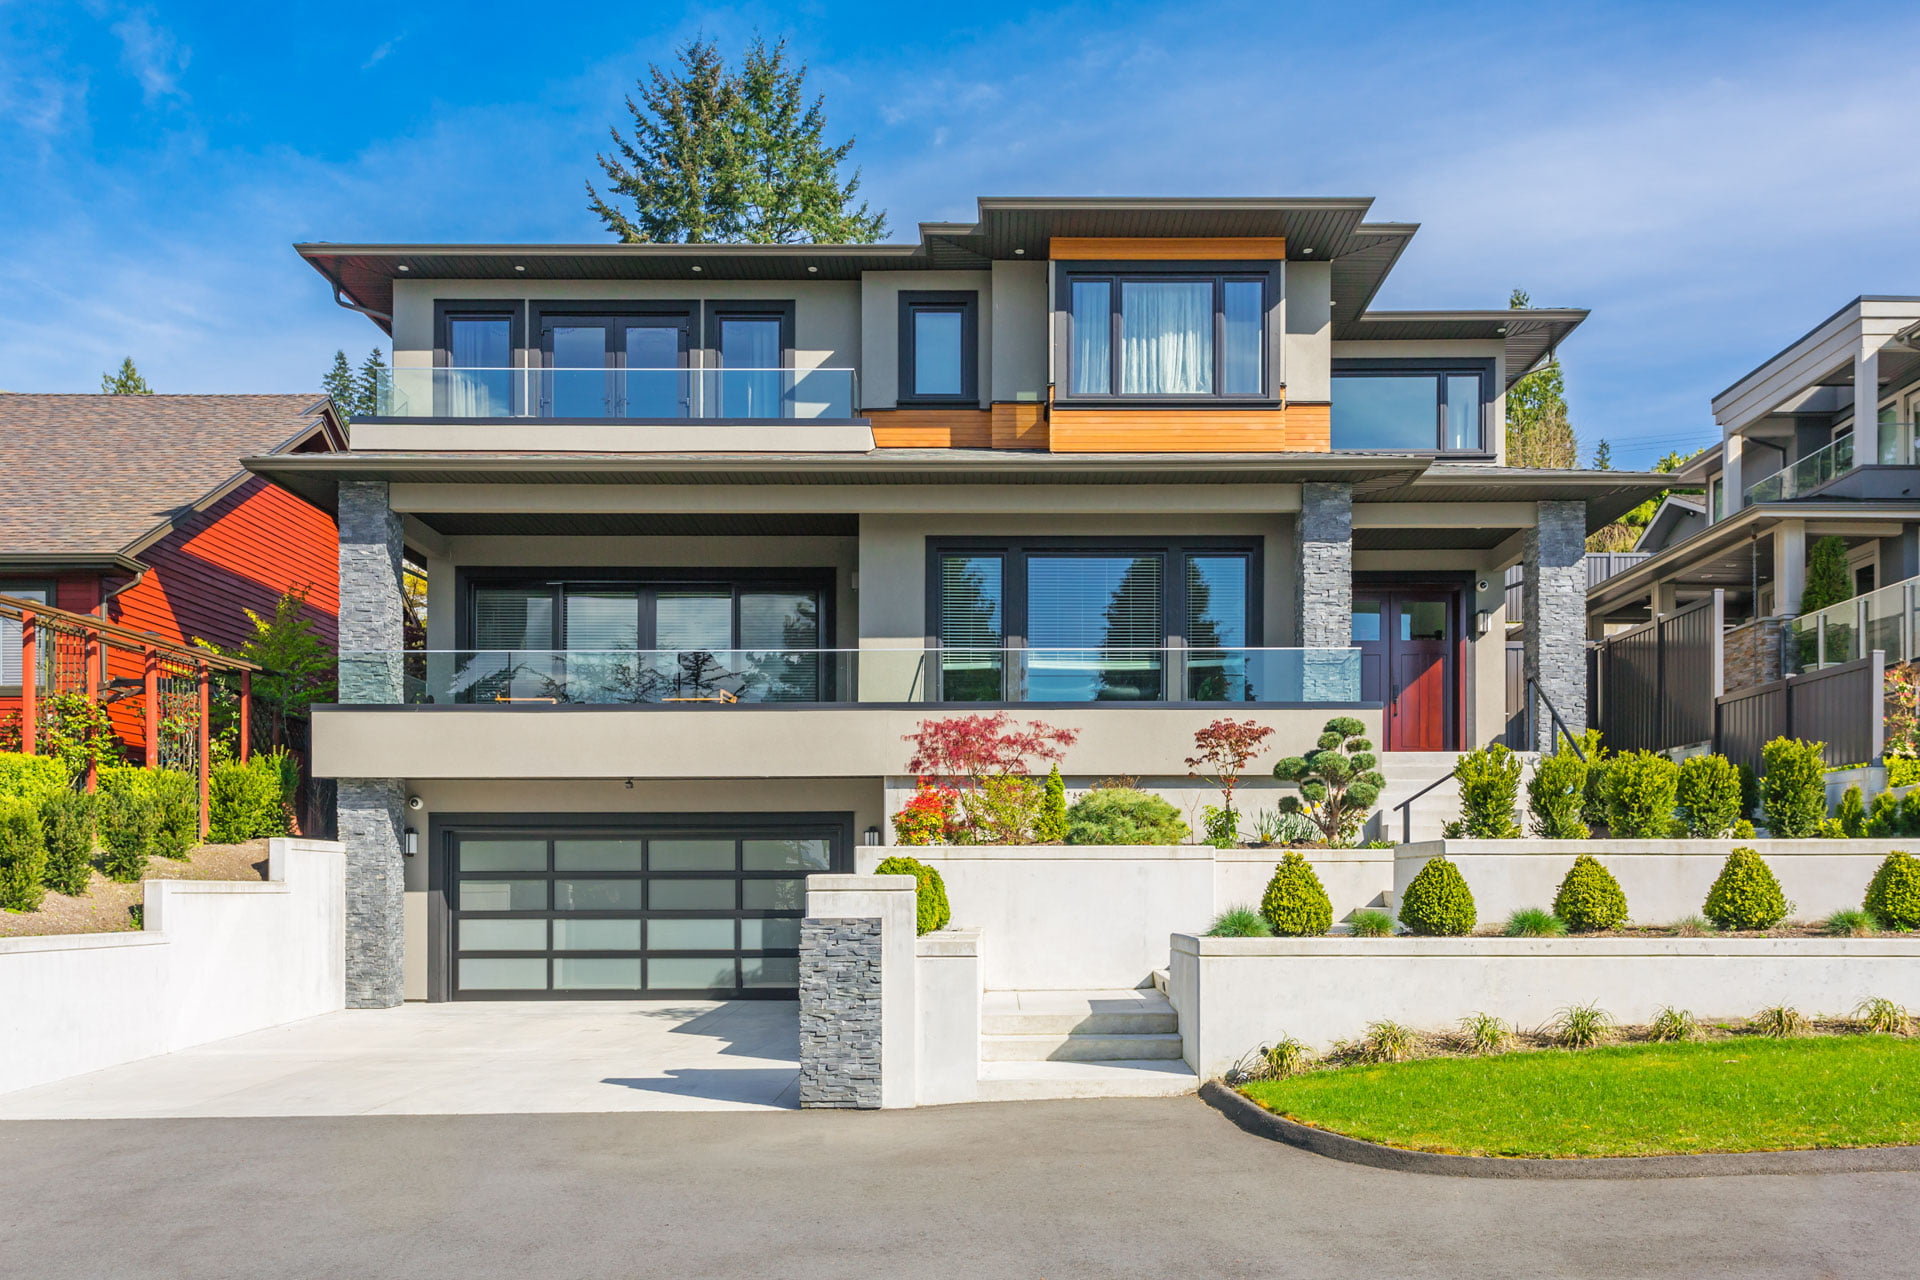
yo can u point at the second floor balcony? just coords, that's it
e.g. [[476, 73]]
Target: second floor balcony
[[1805, 475], [618, 394], [691, 678]]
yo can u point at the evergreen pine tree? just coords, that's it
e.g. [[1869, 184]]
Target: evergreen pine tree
[[1603, 456], [366, 386], [127, 382], [340, 386], [1539, 432]]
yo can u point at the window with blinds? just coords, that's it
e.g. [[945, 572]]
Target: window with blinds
[[973, 633], [10, 632], [1095, 628]]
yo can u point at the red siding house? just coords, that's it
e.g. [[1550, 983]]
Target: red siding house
[[136, 509]]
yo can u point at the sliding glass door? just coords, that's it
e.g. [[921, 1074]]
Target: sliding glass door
[[615, 366]]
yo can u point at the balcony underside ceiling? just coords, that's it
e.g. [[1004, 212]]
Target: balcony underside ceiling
[[628, 524]]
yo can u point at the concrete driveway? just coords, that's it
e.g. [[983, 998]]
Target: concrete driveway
[[462, 1058], [1113, 1188]]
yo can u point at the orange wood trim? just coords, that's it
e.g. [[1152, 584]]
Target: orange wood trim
[[1019, 424], [1165, 249], [931, 428], [1189, 430]]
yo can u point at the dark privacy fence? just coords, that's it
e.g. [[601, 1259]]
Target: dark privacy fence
[[1840, 706], [1654, 687]]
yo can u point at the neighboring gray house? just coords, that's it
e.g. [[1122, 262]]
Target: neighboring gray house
[[709, 528]]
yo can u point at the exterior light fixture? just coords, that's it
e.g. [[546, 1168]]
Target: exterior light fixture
[[1019, 253], [1306, 253], [413, 842], [871, 836], [698, 267], [1483, 622], [403, 267], [1501, 332], [813, 270], [518, 267]]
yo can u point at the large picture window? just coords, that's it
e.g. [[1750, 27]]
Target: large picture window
[[1411, 407], [1166, 335], [1059, 622]]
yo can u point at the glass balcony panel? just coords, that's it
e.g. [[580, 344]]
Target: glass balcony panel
[[633, 393]]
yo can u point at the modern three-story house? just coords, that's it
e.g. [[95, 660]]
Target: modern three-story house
[[708, 529]]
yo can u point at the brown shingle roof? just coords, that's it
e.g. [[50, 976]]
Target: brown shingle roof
[[87, 475]]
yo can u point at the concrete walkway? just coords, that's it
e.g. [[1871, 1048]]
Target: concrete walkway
[[1152, 1188], [460, 1059]]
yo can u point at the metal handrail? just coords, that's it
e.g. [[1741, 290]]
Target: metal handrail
[[1533, 686], [1406, 806]]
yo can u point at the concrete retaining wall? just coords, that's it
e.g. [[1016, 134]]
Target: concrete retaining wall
[[1235, 994], [216, 959], [1664, 880]]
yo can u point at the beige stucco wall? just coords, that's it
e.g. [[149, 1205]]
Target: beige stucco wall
[[1305, 358], [1020, 324], [880, 328]]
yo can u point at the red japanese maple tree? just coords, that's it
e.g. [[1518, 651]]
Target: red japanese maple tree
[[966, 749], [1226, 747]]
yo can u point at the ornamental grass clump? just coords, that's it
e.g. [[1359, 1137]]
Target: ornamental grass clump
[[1388, 1042], [1556, 795], [1672, 1026], [1485, 1033], [1533, 922], [1296, 904], [1489, 782], [1746, 895], [1850, 922], [1793, 788], [1878, 1015], [1893, 895], [23, 855], [1692, 927], [1590, 898], [1582, 1026], [1370, 924], [1780, 1022], [1708, 795], [1285, 1057], [931, 910], [1437, 902], [66, 824], [1239, 922], [1641, 795]]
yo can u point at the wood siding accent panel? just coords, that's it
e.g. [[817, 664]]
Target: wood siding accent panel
[[1310, 427], [1188, 430], [1163, 249], [1019, 424], [931, 428]]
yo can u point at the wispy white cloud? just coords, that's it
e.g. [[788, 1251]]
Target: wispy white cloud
[[150, 51], [382, 52]]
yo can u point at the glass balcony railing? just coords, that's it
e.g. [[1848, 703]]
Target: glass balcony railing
[[626, 394], [1887, 620], [1797, 479], [718, 677]]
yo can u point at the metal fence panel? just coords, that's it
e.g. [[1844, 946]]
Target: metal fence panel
[[1838, 706]]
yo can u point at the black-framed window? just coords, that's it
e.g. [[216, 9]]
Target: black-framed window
[[1193, 332], [1412, 406], [40, 591], [1094, 621], [475, 357], [939, 347], [750, 344]]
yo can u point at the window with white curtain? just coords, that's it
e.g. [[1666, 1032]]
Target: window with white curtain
[[1166, 335]]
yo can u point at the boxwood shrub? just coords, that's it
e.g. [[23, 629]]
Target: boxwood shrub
[[1437, 902], [25, 777], [245, 802], [1793, 788], [1746, 895], [1893, 895], [1124, 815], [173, 798], [1589, 897], [66, 824], [1708, 793], [1296, 903], [1556, 795], [931, 910], [127, 824], [1489, 782], [23, 855], [1642, 792]]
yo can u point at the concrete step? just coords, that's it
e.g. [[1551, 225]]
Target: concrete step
[[1080, 1047], [1143, 1011], [1140, 1078]]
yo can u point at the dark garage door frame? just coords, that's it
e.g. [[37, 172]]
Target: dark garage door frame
[[443, 831]]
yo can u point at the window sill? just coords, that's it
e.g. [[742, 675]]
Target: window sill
[[938, 402]]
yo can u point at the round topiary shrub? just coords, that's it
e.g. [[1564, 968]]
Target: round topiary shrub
[[1590, 898], [1124, 815], [1438, 903], [931, 910], [1893, 896], [1296, 903], [1746, 895]]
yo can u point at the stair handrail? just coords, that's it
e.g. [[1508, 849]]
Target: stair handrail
[[1406, 806], [1533, 687]]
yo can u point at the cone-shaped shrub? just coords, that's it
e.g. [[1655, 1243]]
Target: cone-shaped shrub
[[1793, 790], [66, 822], [1438, 903], [1590, 898], [1883, 816], [1746, 895], [1893, 896], [930, 892], [1852, 813], [1641, 795], [1709, 796], [1296, 904], [23, 856], [1050, 825]]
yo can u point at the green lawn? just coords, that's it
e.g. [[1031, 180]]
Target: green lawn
[[1744, 1094]]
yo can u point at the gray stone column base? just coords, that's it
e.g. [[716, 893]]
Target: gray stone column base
[[370, 812], [840, 1012]]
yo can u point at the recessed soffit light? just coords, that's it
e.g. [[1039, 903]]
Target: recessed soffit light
[[403, 267]]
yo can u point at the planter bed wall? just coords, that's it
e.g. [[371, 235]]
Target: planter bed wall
[[1664, 880], [1235, 994]]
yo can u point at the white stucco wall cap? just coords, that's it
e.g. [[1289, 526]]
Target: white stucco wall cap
[[1569, 849], [948, 942], [81, 942], [1545, 948], [860, 884]]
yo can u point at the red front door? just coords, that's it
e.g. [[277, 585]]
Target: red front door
[[1406, 639]]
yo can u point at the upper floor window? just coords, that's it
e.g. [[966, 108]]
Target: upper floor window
[[10, 674], [1411, 406], [1166, 334], [939, 346]]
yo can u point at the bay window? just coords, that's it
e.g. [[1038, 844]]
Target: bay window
[[1411, 406], [1167, 335]]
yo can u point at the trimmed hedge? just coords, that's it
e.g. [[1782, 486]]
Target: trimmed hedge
[[1296, 903], [128, 824], [1556, 795], [173, 798], [1589, 897], [1746, 895], [1489, 781], [1437, 902], [244, 801], [931, 910], [23, 855], [1893, 895], [1642, 790], [1793, 788], [25, 777], [1123, 815], [66, 825], [1709, 796]]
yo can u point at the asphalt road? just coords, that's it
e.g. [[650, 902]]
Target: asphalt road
[[1157, 1188]]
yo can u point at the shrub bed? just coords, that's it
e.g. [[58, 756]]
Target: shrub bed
[[931, 910]]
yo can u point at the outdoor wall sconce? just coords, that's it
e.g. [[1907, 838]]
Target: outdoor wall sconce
[[871, 836], [413, 842], [1483, 622]]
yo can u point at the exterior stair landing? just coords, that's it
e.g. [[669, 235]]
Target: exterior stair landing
[[1080, 1044]]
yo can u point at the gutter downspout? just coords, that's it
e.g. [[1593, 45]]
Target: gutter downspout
[[340, 300]]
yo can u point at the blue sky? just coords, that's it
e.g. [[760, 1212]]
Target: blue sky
[[1711, 179]]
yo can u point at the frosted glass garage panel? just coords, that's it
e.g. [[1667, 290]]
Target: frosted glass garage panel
[[502, 974], [503, 895], [770, 935], [785, 855], [690, 973], [690, 855], [503, 935], [597, 855], [502, 855], [690, 935], [770, 971], [773, 895], [596, 973], [596, 935]]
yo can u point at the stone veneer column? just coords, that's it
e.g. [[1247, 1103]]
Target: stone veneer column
[[840, 1026], [1323, 591], [1554, 605], [370, 809], [370, 819]]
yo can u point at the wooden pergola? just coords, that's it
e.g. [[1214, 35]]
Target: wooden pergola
[[40, 623]]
